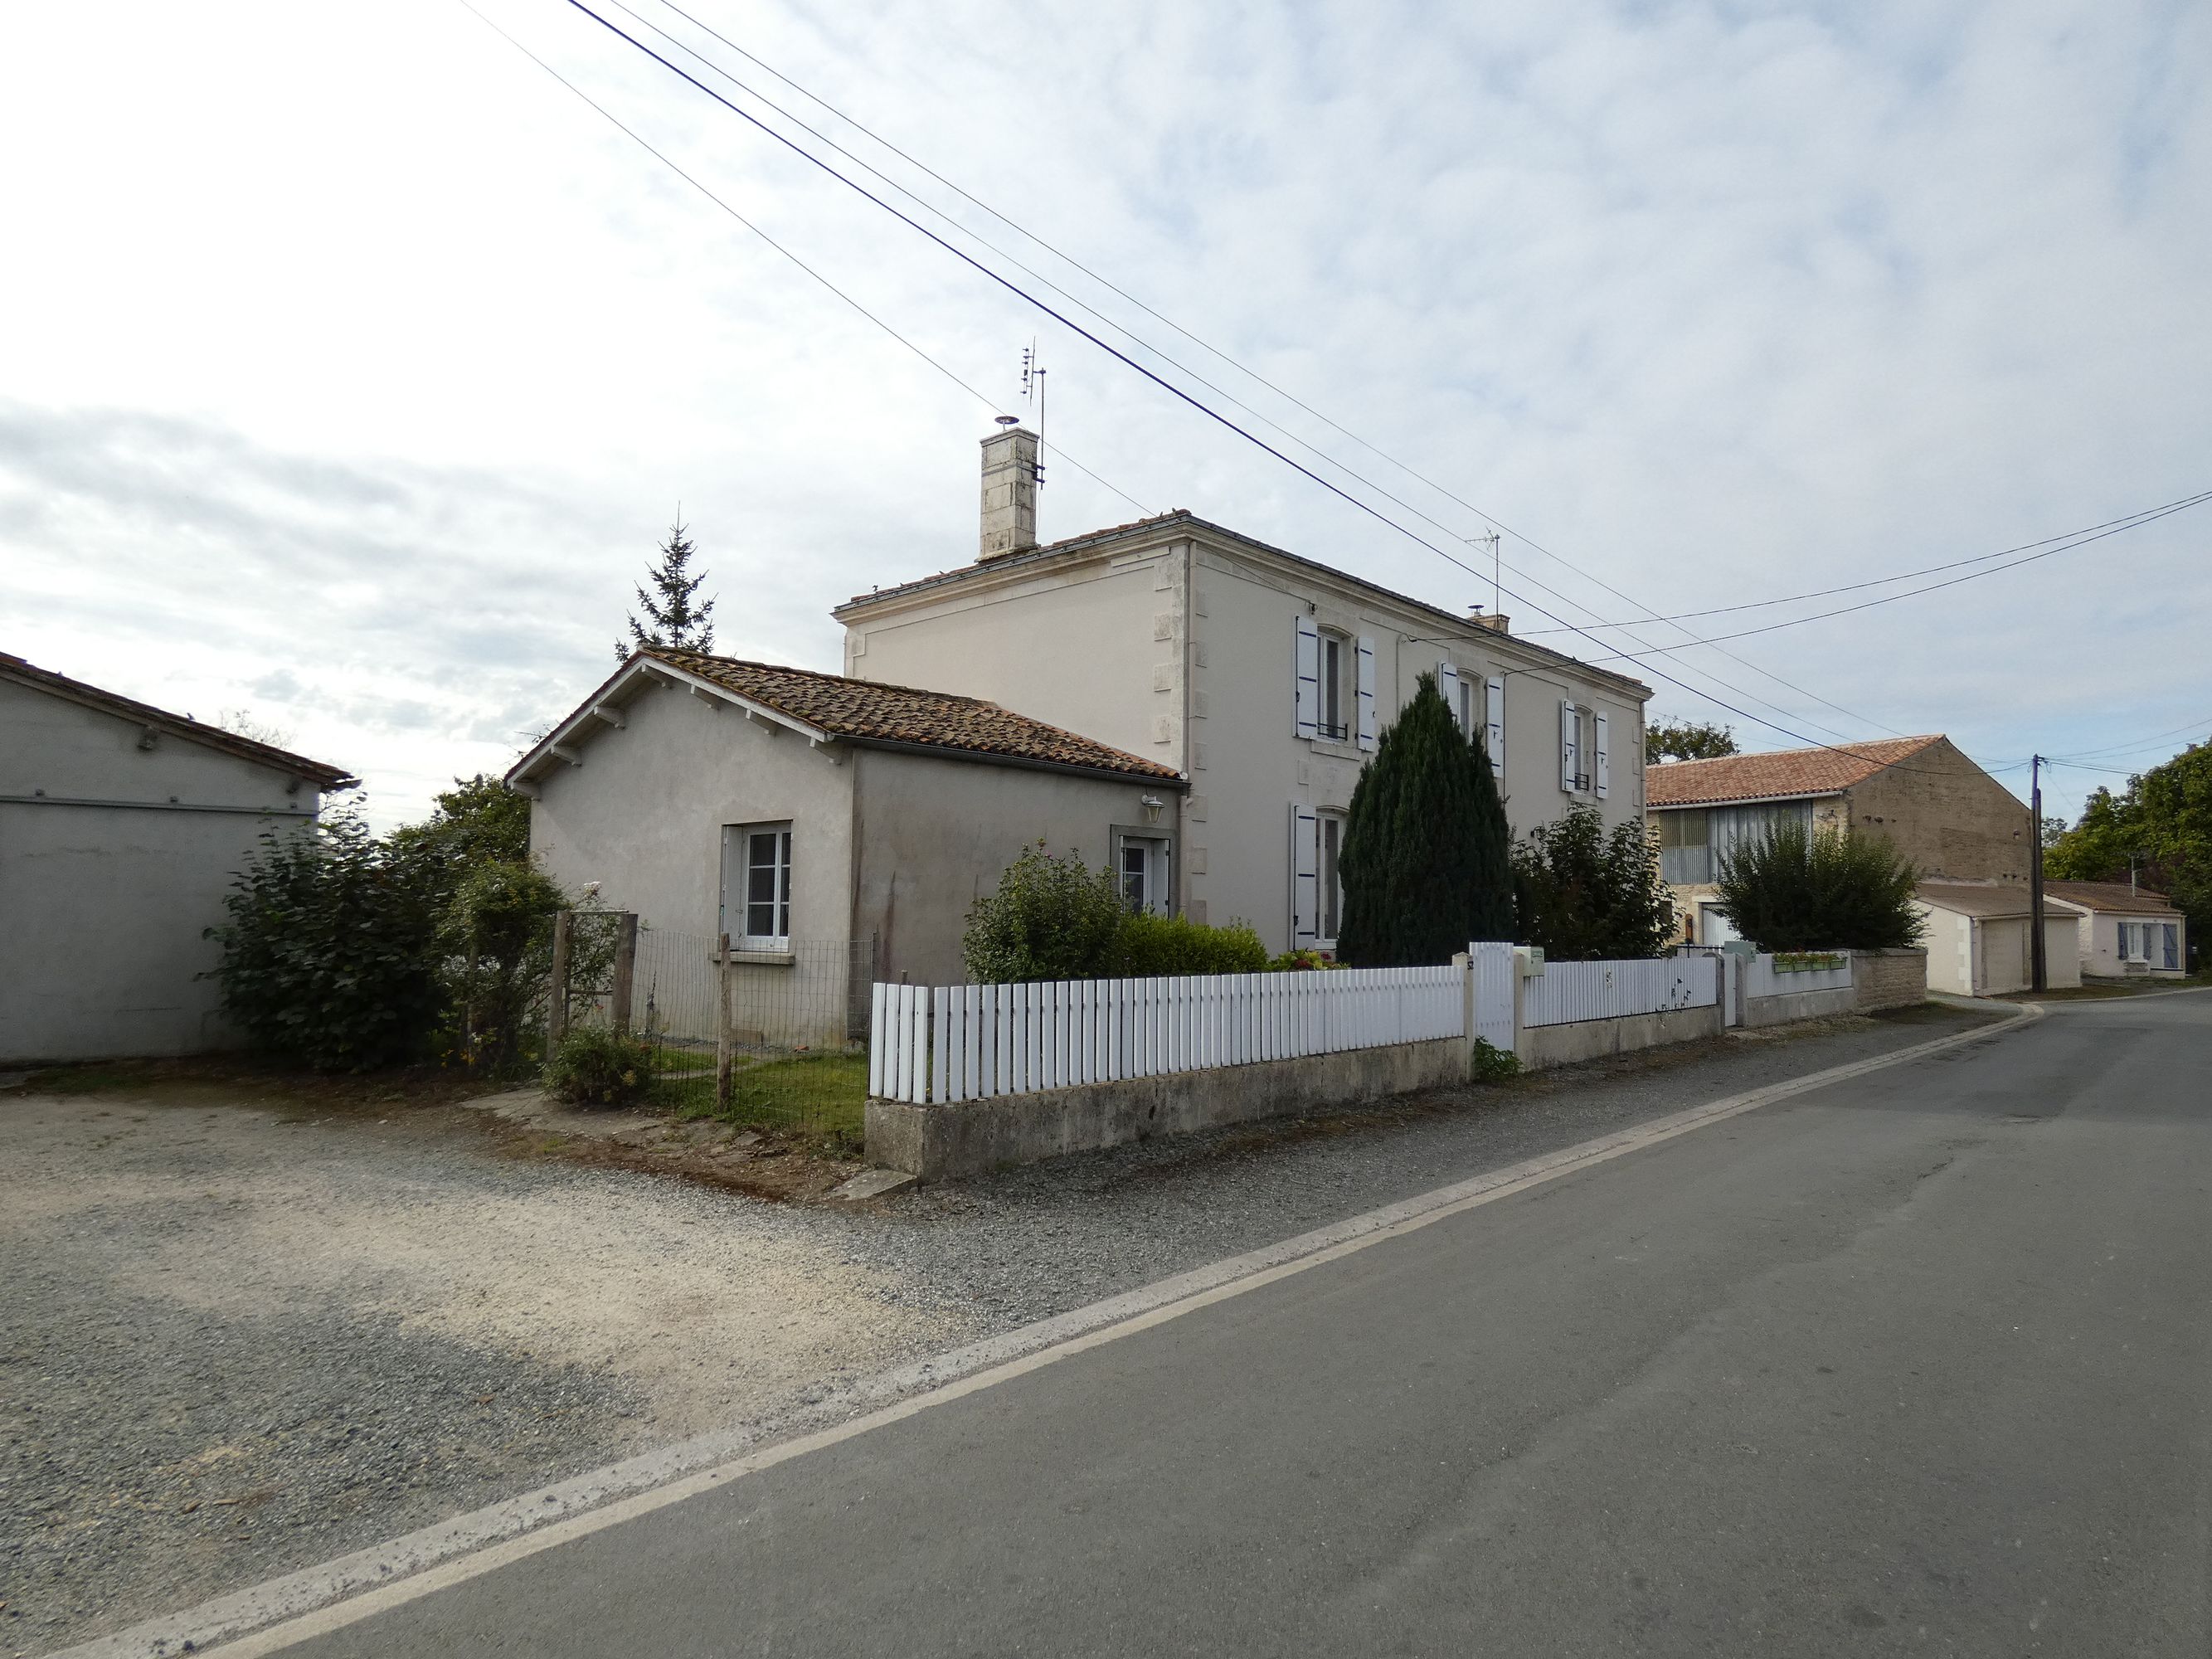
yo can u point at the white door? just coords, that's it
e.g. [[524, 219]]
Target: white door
[[1144, 873]]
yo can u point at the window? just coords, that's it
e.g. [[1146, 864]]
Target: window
[[1331, 883], [1142, 867], [1335, 657], [1686, 856], [757, 885]]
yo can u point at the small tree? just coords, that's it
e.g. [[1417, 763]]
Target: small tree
[[496, 935], [673, 618], [328, 955], [1049, 918], [1678, 741], [1424, 864], [1587, 896], [479, 821], [1791, 889]]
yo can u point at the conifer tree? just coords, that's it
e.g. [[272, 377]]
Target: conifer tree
[[1426, 864], [672, 618]]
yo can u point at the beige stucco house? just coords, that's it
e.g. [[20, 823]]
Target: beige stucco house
[[791, 810], [121, 826], [1939, 809], [1263, 677], [2125, 931]]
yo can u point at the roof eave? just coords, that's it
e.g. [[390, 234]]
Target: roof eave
[[644, 664], [995, 758]]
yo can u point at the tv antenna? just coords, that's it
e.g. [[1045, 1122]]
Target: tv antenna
[[1033, 373], [1497, 570]]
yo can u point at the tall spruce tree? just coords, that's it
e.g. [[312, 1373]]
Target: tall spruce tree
[[1426, 864], [672, 618]]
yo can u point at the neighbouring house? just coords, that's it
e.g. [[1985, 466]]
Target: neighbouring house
[[800, 813], [2125, 930], [1978, 935], [121, 826], [1923, 795], [1263, 677]]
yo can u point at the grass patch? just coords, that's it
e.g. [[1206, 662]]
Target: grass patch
[[826, 1093]]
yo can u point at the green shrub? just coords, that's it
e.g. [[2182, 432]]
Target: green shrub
[[497, 937], [330, 955], [595, 1066], [1146, 946], [1491, 1064], [1793, 889], [1303, 961], [1049, 918], [1586, 896]]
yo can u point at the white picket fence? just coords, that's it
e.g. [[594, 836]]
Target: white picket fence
[[1568, 992], [953, 1042], [1492, 965]]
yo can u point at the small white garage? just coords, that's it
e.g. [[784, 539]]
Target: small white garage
[[120, 827], [1979, 933]]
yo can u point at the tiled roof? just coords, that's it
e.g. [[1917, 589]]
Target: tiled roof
[[866, 712], [1988, 899], [1184, 516], [2111, 895], [1782, 775], [320, 773]]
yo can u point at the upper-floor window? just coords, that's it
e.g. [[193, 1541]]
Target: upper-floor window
[[1585, 765], [1333, 685]]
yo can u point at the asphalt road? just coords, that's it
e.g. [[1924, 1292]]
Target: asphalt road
[[1919, 1363]]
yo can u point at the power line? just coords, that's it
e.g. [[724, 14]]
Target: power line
[[2128, 521], [2143, 742], [1184, 368], [636, 137], [1166, 384], [1846, 611]]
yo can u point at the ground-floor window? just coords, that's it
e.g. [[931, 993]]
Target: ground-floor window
[[2155, 944], [1332, 881], [1141, 865], [757, 885]]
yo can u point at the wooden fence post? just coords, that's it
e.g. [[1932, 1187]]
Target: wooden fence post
[[723, 1045], [625, 971], [557, 1015]]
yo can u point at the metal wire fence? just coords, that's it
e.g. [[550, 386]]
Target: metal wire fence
[[795, 1033]]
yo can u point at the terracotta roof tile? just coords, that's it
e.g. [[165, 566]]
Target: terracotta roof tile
[[2111, 895], [866, 711], [1989, 899], [1779, 776]]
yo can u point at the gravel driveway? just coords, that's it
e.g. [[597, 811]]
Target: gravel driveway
[[237, 1340]]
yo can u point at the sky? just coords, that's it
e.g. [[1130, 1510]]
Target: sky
[[351, 366]]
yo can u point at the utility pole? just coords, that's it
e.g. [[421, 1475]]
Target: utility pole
[[2041, 975]]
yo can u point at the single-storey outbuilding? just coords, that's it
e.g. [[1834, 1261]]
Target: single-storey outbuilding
[[2125, 930], [1977, 937], [121, 826], [799, 814]]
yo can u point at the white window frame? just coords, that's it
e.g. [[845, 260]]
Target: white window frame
[[1157, 875], [1494, 727], [1336, 710], [1329, 875], [738, 900]]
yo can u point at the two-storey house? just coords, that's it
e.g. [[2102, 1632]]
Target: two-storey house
[[1264, 678]]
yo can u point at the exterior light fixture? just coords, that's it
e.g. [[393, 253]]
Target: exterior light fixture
[[1152, 803]]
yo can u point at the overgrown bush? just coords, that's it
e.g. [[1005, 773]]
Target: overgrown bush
[[1792, 889], [330, 956], [1049, 918], [595, 1066], [497, 937], [1586, 896], [1426, 865], [1489, 1063], [1147, 946], [1306, 961]]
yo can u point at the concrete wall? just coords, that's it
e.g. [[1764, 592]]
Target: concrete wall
[[1799, 1005], [104, 908], [1081, 645], [939, 1142], [1947, 815], [1544, 1046], [1889, 979], [933, 835]]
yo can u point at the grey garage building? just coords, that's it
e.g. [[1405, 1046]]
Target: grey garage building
[[120, 827]]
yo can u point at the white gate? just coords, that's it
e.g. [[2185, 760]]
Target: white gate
[[1492, 963]]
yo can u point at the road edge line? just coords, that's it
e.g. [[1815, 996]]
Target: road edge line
[[310, 1601]]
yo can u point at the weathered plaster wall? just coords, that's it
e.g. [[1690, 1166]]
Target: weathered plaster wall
[[104, 908], [1947, 814]]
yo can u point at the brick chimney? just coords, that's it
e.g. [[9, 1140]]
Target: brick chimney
[[1495, 622], [1010, 493]]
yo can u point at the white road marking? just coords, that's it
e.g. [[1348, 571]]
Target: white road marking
[[316, 1601]]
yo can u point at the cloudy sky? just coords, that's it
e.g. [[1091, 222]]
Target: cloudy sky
[[350, 366]]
